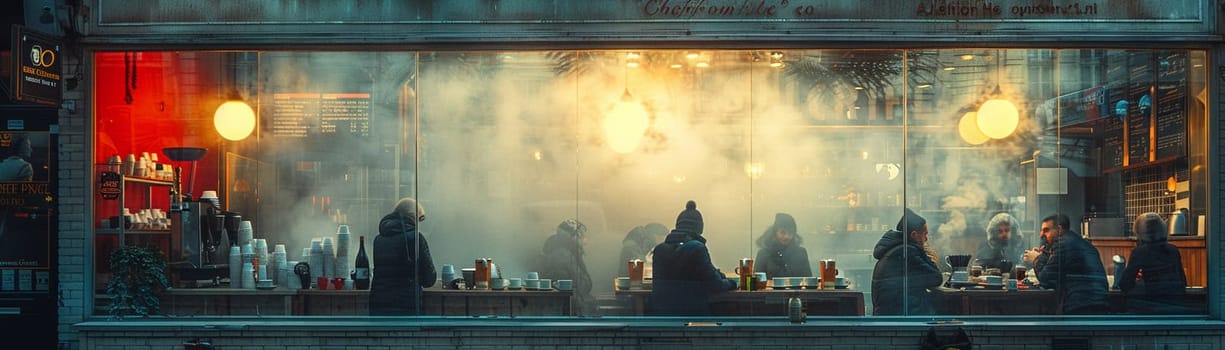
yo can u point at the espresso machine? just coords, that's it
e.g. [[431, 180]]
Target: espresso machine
[[195, 229]]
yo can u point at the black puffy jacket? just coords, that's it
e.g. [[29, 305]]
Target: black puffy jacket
[[399, 271], [684, 277], [1075, 270], [903, 274]]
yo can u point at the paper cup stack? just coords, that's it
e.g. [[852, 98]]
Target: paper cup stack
[[316, 259], [329, 258], [235, 267], [342, 252]]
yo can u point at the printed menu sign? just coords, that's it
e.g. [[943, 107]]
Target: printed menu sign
[[1171, 117], [301, 115]]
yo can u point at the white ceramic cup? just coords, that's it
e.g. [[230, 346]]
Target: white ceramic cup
[[623, 283], [531, 284], [515, 283], [839, 281], [564, 284], [533, 275], [811, 282], [545, 284], [961, 276]]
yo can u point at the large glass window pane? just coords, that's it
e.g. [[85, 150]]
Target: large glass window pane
[[825, 149]]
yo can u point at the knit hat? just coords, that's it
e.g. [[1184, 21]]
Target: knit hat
[[910, 222], [690, 220], [785, 221]]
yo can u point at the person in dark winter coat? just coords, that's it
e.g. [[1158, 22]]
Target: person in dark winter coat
[[638, 244], [904, 271], [1074, 269], [684, 275], [781, 254], [402, 262], [1004, 245], [1154, 281], [562, 259]]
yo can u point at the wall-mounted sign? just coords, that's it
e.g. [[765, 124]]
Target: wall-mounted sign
[[37, 67], [108, 185]]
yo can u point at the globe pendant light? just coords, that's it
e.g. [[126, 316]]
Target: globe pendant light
[[998, 117], [234, 120], [969, 130], [627, 122]]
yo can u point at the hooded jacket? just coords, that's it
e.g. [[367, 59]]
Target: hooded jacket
[[638, 244], [996, 253], [563, 260], [1162, 281], [1074, 269], [903, 273], [778, 260], [399, 270]]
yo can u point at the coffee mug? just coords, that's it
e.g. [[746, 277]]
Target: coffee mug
[[564, 284], [531, 284], [840, 281], [1011, 284], [992, 279], [321, 283], [533, 275], [497, 283], [516, 283], [623, 283], [338, 283], [545, 284]]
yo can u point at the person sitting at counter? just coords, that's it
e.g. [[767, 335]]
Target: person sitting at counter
[[1153, 281], [638, 244], [781, 254], [562, 259], [1036, 258], [1003, 246], [402, 262], [904, 271], [1074, 269], [684, 275]]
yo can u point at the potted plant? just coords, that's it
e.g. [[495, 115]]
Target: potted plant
[[138, 274]]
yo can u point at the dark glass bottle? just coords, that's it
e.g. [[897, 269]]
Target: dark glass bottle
[[361, 268]]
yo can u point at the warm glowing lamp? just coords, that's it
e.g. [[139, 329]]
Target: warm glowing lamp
[[968, 128], [998, 118], [625, 124], [234, 120]]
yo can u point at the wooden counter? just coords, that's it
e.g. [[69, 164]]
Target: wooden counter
[[1191, 248], [1033, 301], [770, 302], [435, 301]]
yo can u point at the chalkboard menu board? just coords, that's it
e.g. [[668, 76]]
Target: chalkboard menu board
[[318, 115], [1111, 135], [1171, 116], [1148, 95], [1140, 107]]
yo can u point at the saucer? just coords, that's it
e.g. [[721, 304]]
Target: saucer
[[844, 286], [266, 287]]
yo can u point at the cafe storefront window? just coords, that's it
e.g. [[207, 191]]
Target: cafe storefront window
[[802, 160]]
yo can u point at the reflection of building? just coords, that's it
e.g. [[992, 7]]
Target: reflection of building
[[481, 82]]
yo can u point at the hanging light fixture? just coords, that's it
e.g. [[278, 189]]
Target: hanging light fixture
[[234, 119], [626, 123], [969, 130], [998, 117]]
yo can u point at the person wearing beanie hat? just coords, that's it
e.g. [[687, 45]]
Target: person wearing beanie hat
[[684, 275], [402, 262], [690, 221], [904, 271], [781, 254], [562, 259], [1153, 280]]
